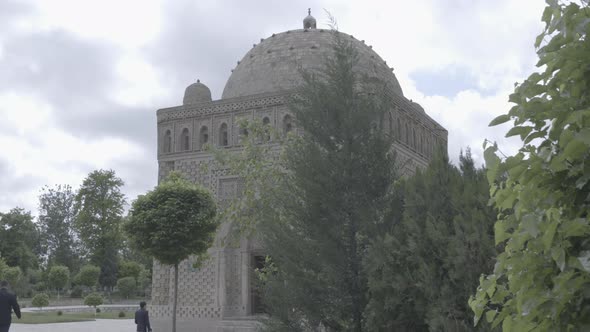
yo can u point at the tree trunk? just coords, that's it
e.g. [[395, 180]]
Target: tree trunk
[[175, 297]]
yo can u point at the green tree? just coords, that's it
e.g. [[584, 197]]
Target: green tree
[[316, 206], [144, 281], [13, 275], [541, 280], [93, 300], [127, 286], [129, 269], [88, 276], [19, 239], [99, 206], [40, 300], [171, 222], [422, 272], [58, 277], [56, 221], [3, 267]]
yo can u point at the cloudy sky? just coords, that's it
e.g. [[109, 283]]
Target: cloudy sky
[[80, 80]]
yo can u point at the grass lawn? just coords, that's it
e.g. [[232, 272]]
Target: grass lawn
[[52, 317]]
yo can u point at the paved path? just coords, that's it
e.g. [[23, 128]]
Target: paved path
[[100, 325]]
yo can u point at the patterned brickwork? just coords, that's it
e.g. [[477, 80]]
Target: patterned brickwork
[[160, 284], [219, 288], [197, 286], [233, 280], [192, 312]]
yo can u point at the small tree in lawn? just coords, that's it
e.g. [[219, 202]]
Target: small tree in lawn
[[126, 286], [40, 300], [59, 276], [93, 300], [172, 222]]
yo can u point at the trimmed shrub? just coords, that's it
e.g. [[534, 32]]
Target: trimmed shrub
[[93, 300], [121, 314], [40, 300]]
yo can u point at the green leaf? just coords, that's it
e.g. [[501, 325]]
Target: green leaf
[[522, 131], [490, 315], [575, 227], [575, 149], [558, 255], [547, 14], [500, 232], [530, 225], [549, 234], [499, 120], [492, 163], [507, 324], [537, 134]]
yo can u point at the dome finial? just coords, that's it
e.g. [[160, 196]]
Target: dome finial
[[309, 22]]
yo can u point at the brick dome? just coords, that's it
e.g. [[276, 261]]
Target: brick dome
[[273, 64], [196, 93]]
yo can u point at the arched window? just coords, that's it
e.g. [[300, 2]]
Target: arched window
[[414, 142], [203, 136], [287, 124], [223, 138], [185, 140], [399, 130], [266, 124], [167, 147]]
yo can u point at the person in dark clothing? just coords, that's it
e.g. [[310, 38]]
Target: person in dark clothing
[[142, 319], [8, 303]]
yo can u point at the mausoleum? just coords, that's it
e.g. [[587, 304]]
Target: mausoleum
[[219, 295]]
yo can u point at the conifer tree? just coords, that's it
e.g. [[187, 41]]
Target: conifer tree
[[422, 272], [336, 180]]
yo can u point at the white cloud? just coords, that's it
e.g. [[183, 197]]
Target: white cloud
[[492, 40], [39, 152], [139, 83], [129, 23]]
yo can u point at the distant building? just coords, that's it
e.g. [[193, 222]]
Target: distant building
[[219, 295]]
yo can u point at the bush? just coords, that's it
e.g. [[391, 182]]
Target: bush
[[40, 300], [93, 300], [59, 313], [121, 314], [98, 310]]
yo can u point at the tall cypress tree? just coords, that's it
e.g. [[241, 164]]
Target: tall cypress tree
[[331, 198], [422, 272]]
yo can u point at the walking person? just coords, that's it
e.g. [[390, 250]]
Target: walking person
[[142, 319], [8, 303]]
